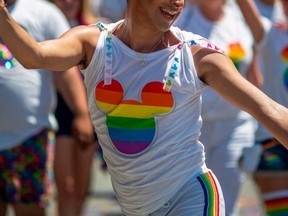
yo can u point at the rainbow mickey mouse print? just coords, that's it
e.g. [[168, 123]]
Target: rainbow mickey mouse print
[[131, 124]]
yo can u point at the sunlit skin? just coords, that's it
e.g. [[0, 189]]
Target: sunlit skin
[[285, 8], [146, 20]]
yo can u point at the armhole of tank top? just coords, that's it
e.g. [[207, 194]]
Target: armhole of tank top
[[186, 40], [199, 84], [102, 28], [206, 44]]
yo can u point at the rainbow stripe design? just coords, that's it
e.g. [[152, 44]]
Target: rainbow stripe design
[[284, 55], [277, 207], [284, 58], [131, 124], [285, 78], [271, 158], [236, 53], [211, 192]]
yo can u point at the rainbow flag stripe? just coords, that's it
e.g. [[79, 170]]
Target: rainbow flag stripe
[[211, 192], [236, 52], [284, 55], [277, 207]]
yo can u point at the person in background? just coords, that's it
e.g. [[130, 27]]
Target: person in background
[[28, 124], [271, 9], [226, 129], [144, 79], [72, 165], [110, 9], [271, 37]]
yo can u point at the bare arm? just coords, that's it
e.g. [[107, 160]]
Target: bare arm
[[71, 87], [74, 47], [218, 71], [254, 74], [253, 18]]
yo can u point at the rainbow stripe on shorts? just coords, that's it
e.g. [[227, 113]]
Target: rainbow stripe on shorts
[[212, 198]]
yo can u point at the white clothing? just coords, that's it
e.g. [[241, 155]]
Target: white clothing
[[225, 140], [149, 159], [273, 60], [226, 129], [192, 200], [231, 35], [28, 96]]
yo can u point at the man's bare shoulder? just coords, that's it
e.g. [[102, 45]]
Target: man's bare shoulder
[[84, 33], [209, 61], [87, 36]]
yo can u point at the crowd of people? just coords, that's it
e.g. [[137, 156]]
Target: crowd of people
[[173, 93]]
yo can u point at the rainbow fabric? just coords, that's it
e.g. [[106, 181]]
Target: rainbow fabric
[[277, 207], [131, 124], [236, 53], [210, 188], [284, 58], [284, 55], [285, 78]]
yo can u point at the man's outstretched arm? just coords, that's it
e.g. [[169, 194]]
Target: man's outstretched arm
[[56, 55], [219, 72]]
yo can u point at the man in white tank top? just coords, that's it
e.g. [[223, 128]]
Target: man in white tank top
[[144, 80]]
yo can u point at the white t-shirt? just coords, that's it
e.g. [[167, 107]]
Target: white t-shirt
[[149, 136], [28, 96], [231, 35], [273, 58]]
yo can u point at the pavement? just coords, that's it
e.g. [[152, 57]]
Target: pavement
[[101, 200]]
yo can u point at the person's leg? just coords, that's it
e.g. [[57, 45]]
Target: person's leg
[[64, 176], [72, 173], [272, 178], [25, 210], [72, 164], [3, 208], [29, 180], [274, 192], [83, 162], [228, 139], [3, 182]]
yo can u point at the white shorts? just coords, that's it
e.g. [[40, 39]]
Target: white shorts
[[201, 196]]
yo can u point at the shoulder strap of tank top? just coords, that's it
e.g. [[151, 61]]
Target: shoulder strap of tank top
[[174, 70], [108, 53], [171, 73]]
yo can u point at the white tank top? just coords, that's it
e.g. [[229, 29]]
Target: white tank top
[[149, 135]]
